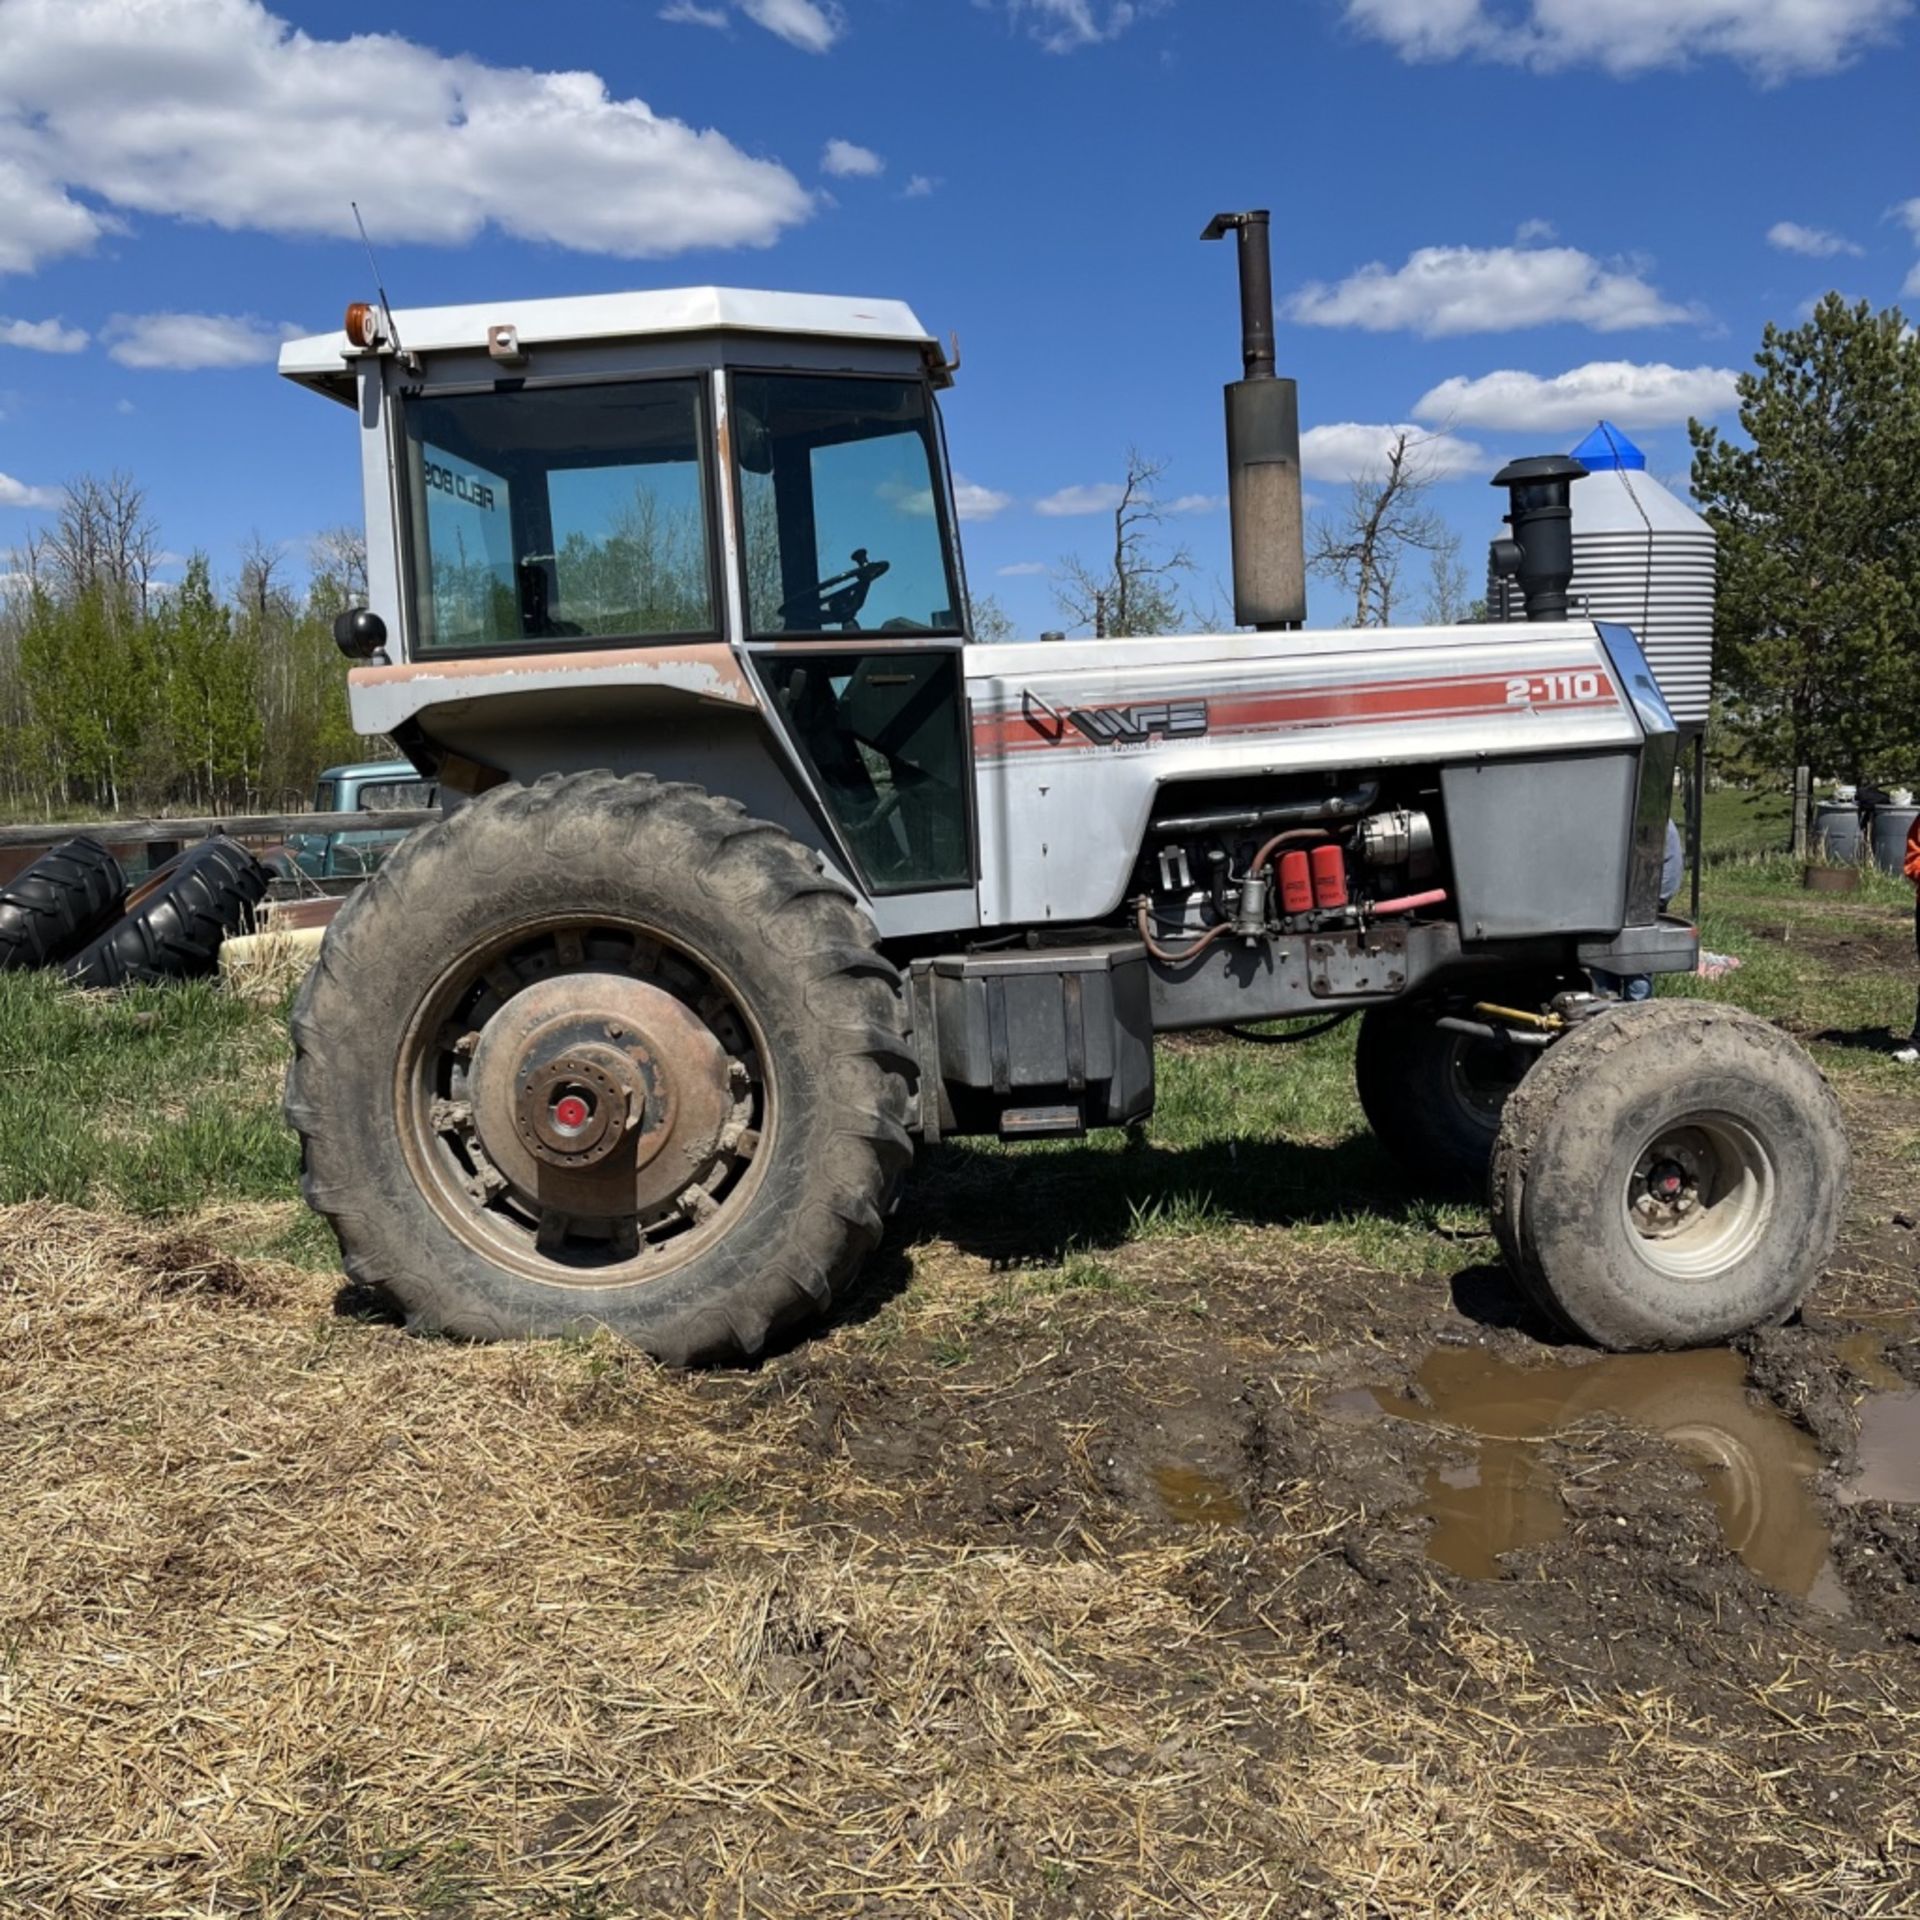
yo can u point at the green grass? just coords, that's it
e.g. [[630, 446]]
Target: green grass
[[1736, 823], [160, 1101]]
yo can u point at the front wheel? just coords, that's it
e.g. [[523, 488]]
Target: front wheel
[[1670, 1175], [603, 1052]]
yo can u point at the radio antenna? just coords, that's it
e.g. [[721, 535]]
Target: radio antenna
[[386, 308]]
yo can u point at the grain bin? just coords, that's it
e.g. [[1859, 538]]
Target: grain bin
[[1643, 557]]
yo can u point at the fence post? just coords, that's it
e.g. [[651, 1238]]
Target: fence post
[[1802, 811]]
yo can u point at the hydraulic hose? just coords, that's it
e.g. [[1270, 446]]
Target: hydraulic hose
[[1166, 955]]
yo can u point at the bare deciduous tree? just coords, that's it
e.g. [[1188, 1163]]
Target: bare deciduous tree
[[1365, 545], [337, 561], [1449, 592], [102, 538], [1133, 592]]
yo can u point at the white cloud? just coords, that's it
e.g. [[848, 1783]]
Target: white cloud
[[1789, 236], [1101, 498], [807, 24], [1024, 569], [1909, 215], [1530, 232], [16, 493], [184, 342], [1635, 396], [918, 188], [1064, 26], [845, 161], [39, 220], [685, 13], [1350, 451], [1196, 503], [1774, 39], [42, 336], [219, 111], [1449, 290], [974, 502]]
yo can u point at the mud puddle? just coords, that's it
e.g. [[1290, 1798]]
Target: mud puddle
[[1757, 1467], [1197, 1499]]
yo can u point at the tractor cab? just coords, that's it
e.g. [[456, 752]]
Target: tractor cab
[[635, 509]]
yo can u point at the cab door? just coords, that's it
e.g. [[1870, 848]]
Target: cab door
[[854, 621]]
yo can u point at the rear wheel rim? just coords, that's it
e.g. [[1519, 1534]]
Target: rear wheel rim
[[1481, 1075], [1699, 1196], [586, 1102]]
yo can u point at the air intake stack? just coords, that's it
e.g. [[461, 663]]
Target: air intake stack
[[1539, 553], [1263, 449]]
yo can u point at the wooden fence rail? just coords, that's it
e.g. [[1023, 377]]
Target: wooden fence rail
[[245, 826]]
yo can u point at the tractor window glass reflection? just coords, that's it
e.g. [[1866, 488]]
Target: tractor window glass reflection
[[883, 734], [840, 500], [566, 513], [468, 595]]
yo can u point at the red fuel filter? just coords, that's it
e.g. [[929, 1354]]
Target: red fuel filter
[[1329, 877], [1296, 883]]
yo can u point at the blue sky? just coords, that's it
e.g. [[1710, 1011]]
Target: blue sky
[[1496, 219]]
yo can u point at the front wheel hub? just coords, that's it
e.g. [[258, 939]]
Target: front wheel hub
[[599, 1092]]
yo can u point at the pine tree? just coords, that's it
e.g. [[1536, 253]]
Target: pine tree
[[1818, 518]]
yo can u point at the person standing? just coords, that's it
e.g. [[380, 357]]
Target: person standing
[[1909, 1055]]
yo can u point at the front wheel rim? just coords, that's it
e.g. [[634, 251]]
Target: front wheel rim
[[612, 1016], [1699, 1196]]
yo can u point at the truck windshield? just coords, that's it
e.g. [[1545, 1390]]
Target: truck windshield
[[557, 514], [843, 515]]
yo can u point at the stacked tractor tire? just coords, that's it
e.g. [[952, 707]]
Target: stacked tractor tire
[[73, 910]]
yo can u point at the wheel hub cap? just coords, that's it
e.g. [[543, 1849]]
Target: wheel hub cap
[[599, 1093]]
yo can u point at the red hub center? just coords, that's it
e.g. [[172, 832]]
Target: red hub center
[[571, 1112]]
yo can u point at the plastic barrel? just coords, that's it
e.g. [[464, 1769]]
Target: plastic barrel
[[1836, 832], [1891, 825]]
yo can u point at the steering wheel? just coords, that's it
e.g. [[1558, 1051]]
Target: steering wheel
[[836, 609]]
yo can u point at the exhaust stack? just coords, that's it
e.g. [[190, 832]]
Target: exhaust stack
[[1263, 449]]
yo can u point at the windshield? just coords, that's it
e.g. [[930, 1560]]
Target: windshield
[[559, 513], [840, 504]]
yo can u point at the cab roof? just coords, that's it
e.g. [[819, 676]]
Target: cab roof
[[326, 362]]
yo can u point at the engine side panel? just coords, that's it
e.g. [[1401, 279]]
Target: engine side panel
[[1072, 740]]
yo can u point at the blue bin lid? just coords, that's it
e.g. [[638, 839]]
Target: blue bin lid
[[1607, 448]]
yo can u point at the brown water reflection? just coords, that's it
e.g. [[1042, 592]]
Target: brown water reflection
[[1757, 1466]]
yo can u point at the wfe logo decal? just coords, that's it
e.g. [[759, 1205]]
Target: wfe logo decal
[[1116, 726]]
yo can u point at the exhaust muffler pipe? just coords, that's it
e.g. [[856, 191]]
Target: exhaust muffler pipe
[[1263, 449]]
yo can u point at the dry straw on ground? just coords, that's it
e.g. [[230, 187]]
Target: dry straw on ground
[[302, 1616]]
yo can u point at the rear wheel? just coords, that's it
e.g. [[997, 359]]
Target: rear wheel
[[603, 1052], [1432, 1096], [1670, 1175]]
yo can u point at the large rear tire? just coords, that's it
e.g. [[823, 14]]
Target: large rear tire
[[1434, 1097], [603, 1052], [1670, 1175]]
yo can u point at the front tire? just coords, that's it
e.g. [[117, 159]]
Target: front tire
[[603, 1052], [1670, 1175]]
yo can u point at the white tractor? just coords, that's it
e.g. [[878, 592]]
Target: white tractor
[[755, 871]]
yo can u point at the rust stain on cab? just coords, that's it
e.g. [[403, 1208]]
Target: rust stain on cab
[[706, 669]]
